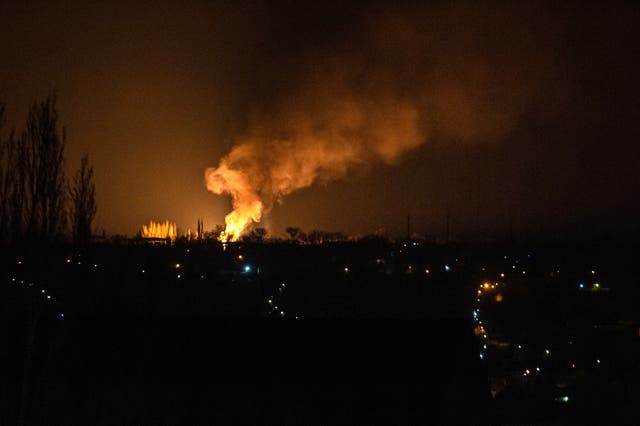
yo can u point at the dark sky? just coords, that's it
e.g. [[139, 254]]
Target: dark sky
[[528, 113]]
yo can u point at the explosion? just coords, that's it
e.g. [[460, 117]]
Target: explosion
[[325, 144], [160, 230], [398, 82], [246, 202]]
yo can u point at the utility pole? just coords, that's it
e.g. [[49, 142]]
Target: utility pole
[[408, 228]]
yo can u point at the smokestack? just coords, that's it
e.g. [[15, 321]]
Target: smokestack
[[408, 228]]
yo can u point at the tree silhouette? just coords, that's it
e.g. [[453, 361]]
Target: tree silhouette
[[316, 237], [45, 181], [215, 233], [12, 185], [257, 235], [34, 195], [83, 203], [294, 233]]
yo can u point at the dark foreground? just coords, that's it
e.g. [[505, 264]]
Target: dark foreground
[[198, 371], [335, 334]]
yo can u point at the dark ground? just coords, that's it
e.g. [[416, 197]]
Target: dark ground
[[129, 338]]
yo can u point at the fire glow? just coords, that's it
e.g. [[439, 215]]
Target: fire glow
[[321, 145], [340, 117], [160, 230]]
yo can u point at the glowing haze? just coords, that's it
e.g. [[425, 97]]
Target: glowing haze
[[373, 101], [321, 144], [527, 111]]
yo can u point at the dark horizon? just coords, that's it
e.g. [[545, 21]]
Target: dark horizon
[[527, 113]]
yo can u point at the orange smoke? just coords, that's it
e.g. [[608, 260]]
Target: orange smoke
[[160, 230], [320, 143], [398, 80]]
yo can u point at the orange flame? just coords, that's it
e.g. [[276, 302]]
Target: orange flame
[[345, 110], [160, 230], [246, 202], [323, 145]]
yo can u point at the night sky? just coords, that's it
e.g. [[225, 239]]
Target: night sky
[[527, 114]]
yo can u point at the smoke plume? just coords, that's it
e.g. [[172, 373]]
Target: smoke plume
[[401, 79]]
